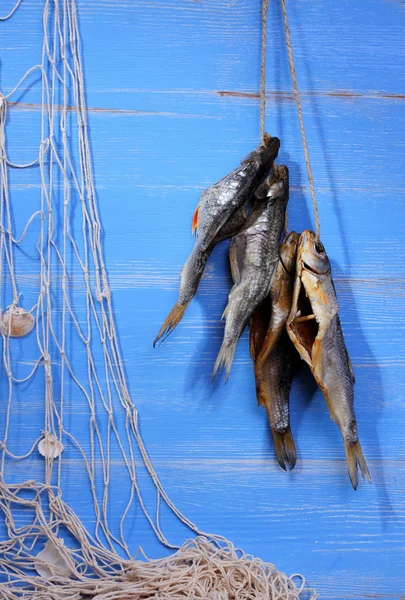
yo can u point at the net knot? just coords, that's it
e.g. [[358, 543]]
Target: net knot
[[104, 294], [44, 146]]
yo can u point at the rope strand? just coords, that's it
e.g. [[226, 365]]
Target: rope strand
[[265, 6], [301, 119]]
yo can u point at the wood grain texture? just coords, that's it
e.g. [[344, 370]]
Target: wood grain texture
[[172, 87]]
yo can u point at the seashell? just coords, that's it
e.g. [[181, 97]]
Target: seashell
[[17, 322], [50, 446], [51, 562]]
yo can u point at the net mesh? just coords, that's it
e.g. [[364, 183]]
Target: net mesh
[[47, 552]]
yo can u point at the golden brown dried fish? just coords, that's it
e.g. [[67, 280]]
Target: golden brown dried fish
[[314, 327], [275, 359]]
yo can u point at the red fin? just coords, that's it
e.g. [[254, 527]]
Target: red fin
[[172, 320], [195, 220]]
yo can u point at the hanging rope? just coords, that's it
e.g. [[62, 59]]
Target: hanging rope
[[265, 7], [301, 119]]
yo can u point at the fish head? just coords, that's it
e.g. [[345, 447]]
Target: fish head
[[311, 254], [288, 251], [271, 143], [268, 153], [275, 186], [263, 156]]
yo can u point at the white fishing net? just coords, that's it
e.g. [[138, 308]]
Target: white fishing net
[[47, 552]]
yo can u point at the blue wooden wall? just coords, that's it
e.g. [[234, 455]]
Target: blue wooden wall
[[172, 90]]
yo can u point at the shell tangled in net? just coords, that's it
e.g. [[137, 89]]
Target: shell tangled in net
[[17, 322], [50, 446]]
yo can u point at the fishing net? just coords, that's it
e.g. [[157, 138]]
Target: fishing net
[[47, 552]]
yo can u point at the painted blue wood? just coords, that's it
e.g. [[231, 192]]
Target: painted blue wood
[[172, 91]]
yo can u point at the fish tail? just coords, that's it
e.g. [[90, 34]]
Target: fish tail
[[225, 358], [171, 321], [190, 277], [285, 448], [355, 460]]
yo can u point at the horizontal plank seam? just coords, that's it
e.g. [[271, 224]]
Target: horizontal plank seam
[[282, 95], [28, 106]]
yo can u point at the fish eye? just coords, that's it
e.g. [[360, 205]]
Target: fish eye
[[319, 247]]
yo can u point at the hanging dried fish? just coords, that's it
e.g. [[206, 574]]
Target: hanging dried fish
[[254, 254], [314, 328], [275, 359], [220, 213]]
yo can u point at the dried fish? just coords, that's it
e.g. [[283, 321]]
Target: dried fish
[[254, 254], [314, 327], [222, 203], [275, 359]]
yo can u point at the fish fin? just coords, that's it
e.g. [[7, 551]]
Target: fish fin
[[285, 448], [269, 342], [171, 322], [226, 310], [350, 366], [258, 326], [237, 257], [252, 345], [233, 262], [224, 358], [258, 384], [351, 369], [340, 333], [195, 219], [355, 460]]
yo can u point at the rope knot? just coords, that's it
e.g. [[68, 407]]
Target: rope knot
[[105, 294]]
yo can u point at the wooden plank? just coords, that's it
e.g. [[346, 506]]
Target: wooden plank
[[172, 87]]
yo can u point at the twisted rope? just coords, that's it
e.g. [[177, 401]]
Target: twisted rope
[[301, 119], [265, 6]]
